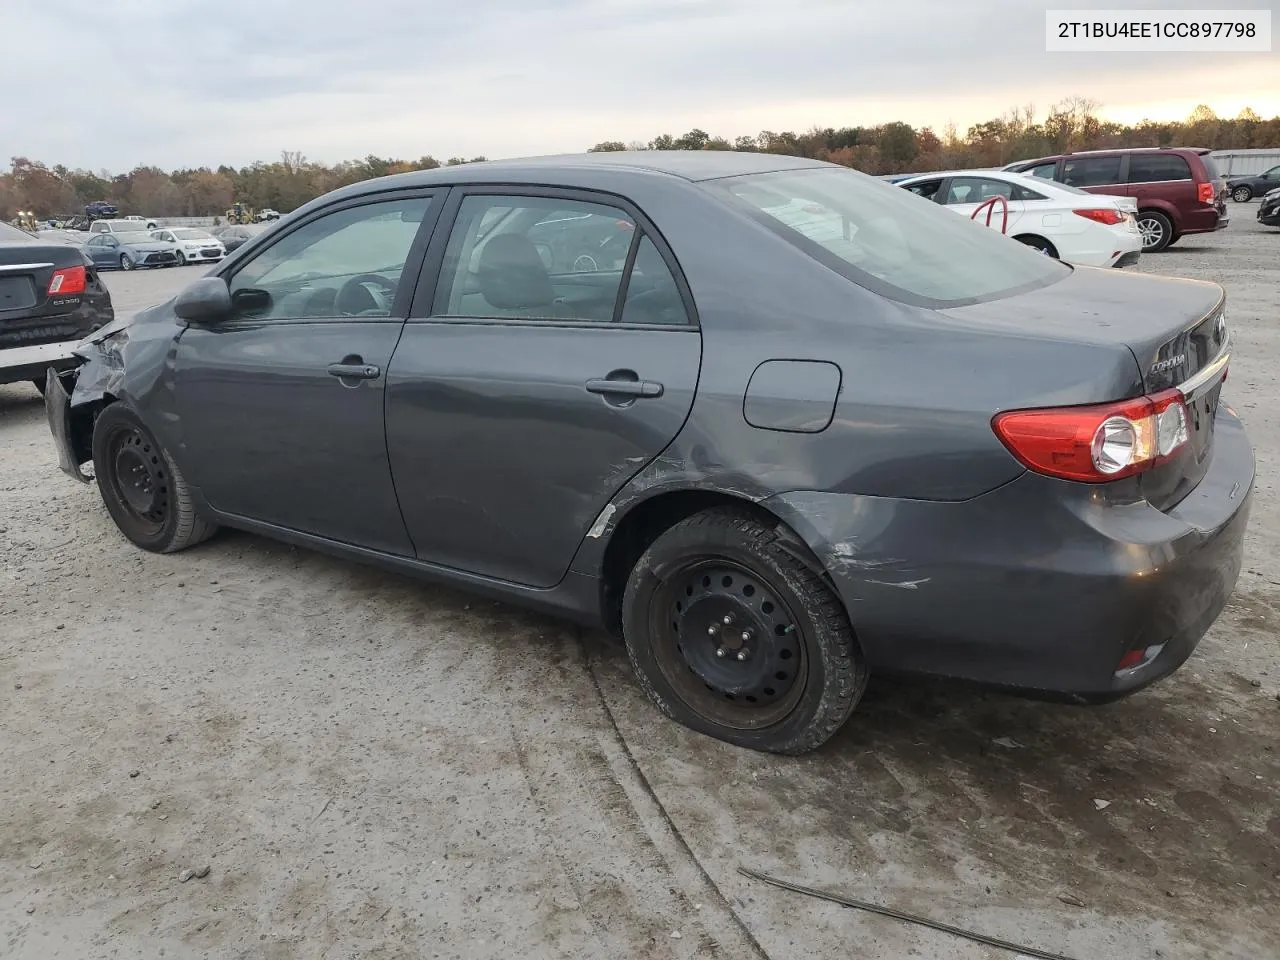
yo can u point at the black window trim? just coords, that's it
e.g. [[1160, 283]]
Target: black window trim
[[420, 309], [248, 252]]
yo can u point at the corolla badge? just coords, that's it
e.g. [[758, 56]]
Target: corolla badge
[[1160, 366]]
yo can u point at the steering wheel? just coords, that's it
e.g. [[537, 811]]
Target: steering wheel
[[356, 286]]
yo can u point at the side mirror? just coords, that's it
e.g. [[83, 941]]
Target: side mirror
[[205, 301]]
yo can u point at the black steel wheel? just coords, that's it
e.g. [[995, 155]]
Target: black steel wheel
[[141, 486], [733, 636]]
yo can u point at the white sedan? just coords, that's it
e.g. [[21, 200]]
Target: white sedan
[[193, 245], [1090, 229]]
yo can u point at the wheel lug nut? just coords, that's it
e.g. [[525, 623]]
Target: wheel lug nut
[[711, 630], [745, 636], [727, 619], [720, 651], [743, 654]]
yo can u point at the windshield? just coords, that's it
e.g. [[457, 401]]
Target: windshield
[[191, 235], [134, 236], [889, 240]]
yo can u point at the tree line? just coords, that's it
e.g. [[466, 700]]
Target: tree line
[[1072, 124]]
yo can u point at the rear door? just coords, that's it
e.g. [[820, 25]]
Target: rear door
[[556, 356], [966, 195]]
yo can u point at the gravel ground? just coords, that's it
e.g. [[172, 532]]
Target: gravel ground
[[373, 767]]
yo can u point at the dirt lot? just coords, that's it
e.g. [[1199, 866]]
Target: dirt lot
[[373, 767]]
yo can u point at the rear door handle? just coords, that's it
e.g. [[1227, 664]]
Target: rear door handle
[[354, 371], [624, 388]]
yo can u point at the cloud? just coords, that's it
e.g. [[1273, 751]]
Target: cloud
[[191, 83]]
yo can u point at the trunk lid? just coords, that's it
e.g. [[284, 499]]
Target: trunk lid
[[1176, 331], [29, 315]]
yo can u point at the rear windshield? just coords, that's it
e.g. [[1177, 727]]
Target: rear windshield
[[1210, 168], [889, 240]]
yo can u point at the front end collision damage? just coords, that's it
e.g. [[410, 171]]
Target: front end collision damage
[[122, 361]]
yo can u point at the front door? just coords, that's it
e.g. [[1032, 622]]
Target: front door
[[281, 405], [558, 356]]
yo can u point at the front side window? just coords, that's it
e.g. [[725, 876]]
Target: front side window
[[344, 264], [927, 189], [882, 239], [544, 258], [1158, 168], [1091, 171], [1272, 174]]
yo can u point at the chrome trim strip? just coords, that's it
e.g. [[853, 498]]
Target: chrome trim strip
[[24, 266], [1209, 372]]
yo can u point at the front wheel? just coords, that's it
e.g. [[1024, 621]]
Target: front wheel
[[182, 259], [126, 262], [1156, 230], [735, 638], [141, 487], [1242, 194]]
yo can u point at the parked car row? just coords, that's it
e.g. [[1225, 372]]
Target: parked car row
[[777, 424], [1055, 219]]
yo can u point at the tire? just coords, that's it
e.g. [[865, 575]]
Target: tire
[[182, 259], [126, 262], [1242, 194], [1156, 230], [732, 636], [141, 487], [1039, 243]]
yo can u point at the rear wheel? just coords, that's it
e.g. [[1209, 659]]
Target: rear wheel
[[734, 637], [126, 262], [141, 486], [1242, 194], [1038, 243], [1156, 230]]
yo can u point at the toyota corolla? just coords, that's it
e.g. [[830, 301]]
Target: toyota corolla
[[774, 453]]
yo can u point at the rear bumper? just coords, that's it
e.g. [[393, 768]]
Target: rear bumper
[[1039, 585], [30, 363], [1204, 220]]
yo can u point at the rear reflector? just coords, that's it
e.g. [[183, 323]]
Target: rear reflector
[[1097, 443], [1104, 215], [67, 281], [1205, 192], [1131, 659]]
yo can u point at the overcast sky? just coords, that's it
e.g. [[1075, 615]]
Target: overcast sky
[[115, 83]]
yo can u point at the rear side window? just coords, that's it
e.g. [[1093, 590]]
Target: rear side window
[[1091, 171], [1159, 167], [1023, 193], [546, 258], [883, 239], [927, 189], [976, 189]]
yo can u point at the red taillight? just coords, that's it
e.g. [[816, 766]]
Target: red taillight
[[1100, 443], [1206, 192], [1105, 215], [67, 281], [1131, 659]]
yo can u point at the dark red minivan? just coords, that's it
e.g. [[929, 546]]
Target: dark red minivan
[[1179, 189]]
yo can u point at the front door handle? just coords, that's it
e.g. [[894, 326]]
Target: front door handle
[[624, 388], [354, 371]]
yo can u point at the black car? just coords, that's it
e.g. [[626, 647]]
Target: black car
[[1244, 189], [50, 298], [101, 210], [232, 236], [807, 427], [1269, 209]]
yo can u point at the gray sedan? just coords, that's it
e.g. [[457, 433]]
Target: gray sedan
[[777, 424]]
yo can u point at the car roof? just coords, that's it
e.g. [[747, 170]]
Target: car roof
[[691, 165], [1199, 151]]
